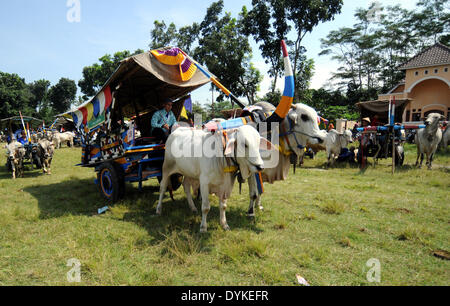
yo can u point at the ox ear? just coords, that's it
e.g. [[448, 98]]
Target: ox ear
[[293, 116], [442, 118], [265, 145]]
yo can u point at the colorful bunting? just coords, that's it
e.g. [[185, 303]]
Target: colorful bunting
[[94, 110]]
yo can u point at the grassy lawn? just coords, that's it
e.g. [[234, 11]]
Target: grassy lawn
[[323, 225]]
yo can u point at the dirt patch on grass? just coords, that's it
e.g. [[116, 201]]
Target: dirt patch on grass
[[403, 210], [442, 254]]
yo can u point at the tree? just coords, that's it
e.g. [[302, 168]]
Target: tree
[[433, 21], [39, 90], [96, 75], [219, 43], [304, 75], [372, 50], [225, 50], [162, 36], [273, 97], [258, 23], [270, 21], [62, 95], [214, 110], [15, 96], [197, 109]]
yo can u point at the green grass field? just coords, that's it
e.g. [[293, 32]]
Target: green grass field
[[322, 225]]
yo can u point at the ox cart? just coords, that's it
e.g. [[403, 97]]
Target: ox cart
[[24, 123], [381, 138], [115, 125]]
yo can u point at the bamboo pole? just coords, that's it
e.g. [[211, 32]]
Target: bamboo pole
[[392, 128]]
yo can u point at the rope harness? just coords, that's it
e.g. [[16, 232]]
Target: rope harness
[[292, 131]]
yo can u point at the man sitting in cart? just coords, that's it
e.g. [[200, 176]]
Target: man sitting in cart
[[23, 138], [163, 121]]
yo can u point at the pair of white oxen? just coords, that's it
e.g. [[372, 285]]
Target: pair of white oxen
[[15, 154], [241, 151], [56, 137]]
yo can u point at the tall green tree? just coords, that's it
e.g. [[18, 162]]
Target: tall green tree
[[219, 42], [432, 21], [270, 21], [62, 95], [15, 96], [163, 35], [372, 50], [39, 90]]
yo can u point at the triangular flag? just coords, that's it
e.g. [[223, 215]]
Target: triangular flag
[[188, 104], [184, 113]]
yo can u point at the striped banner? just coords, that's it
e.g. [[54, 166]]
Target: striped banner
[[93, 112]]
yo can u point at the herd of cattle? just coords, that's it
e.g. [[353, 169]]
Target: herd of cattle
[[39, 151]]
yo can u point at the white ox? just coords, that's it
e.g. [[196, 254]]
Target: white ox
[[214, 170], [60, 138], [428, 139], [335, 142], [15, 155], [45, 152], [296, 131]]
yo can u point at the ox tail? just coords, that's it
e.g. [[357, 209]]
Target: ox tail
[[289, 88]]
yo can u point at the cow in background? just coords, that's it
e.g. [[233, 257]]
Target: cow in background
[[428, 139], [60, 138], [45, 151], [335, 142]]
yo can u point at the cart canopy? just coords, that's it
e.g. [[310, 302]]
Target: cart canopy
[[381, 108], [17, 122], [139, 85]]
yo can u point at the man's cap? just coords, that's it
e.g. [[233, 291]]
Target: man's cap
[[167, 100], [366, 119]]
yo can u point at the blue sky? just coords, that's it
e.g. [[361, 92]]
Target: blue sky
[[38, 41]]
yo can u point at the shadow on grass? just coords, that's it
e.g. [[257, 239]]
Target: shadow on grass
[[177, 216], [70, 197], [28, 172], [81, 197]]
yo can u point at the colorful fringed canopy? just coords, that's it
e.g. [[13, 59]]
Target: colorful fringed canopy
[[139, 85]]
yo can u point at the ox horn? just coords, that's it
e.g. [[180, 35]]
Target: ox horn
[[289, 88]]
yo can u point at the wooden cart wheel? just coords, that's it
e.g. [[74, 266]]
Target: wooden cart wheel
[[109, 182]]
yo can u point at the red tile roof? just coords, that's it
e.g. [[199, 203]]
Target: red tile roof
[[435, 55]]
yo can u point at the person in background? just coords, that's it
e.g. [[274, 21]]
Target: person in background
[[376, 121], [366, 122], [163, 121]]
